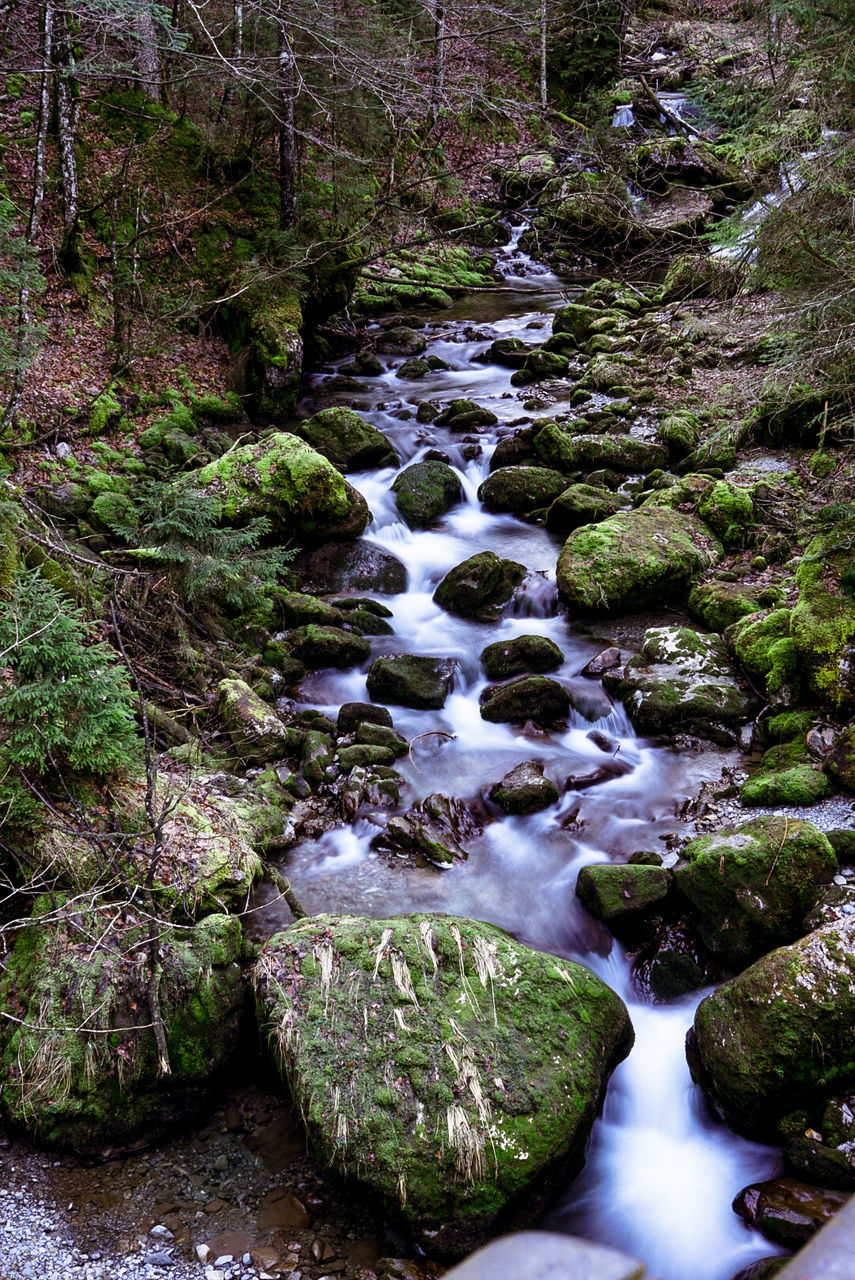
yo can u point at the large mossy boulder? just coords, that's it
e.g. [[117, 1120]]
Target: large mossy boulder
[[520, 656], [575, 321], [762, 644], [536, 698], [788, 775], [257, 733], [480, 587], [425, 491], [410, 680], [718, 604], [823, 621], [283, 478], [79, 1062], [565, 452], [439, 1064], [778, 1038], [753, 885], [680, 680], [347, 440], [728, 509], [634, 560], [580, 504], [521, 490]]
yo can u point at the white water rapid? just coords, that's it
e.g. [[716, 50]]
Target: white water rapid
[[661, 1173]]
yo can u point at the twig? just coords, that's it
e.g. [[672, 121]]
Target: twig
[[298, 911], [780, 847]]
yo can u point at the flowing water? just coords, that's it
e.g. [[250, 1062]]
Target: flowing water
[[661, 1173]]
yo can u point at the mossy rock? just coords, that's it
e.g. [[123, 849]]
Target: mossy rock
[[840, 763], [408, 680], [476, 1082], [823, 621], [366, 622], [114, 512], [581, 504], [680, 433], [536, 698], [634, 560], [299, 609], [752, 885], [80, 1070], [521, 490], [540, 364], [520, 656], [401, 340], [436, 830], [524, 789], [778, 1038], [364, 755], [351, 566], [619, 893], [717, 452], [681, 680], [347, 440], [381, 735], [319, 647], [763, 645], [719, 604], [608, 373], [695, 275], [728, 510], [511, 353], [787, 775], [412, 370], [264, 330], [425, 491], [480, 587], [256, 731], [565, 452], [465, 415]]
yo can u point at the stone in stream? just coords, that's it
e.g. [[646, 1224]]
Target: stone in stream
[[297, 609], [506, 658], [634, 560], [536, 698], [787, 1211], [521, 489], [583, 504], [425, 491], [257, 733], [480, 587], [348, 441], [318, 647], [619, 893], [81, 1069], [401, 340], [524, 789], [465, 415], [753, 885], [512, 450], [435, 828], [509, 352], [439, 1064], [409, 680], [347, 566], [680, 680], [565, 452], [605, 661], [352, 714], [540, 364]]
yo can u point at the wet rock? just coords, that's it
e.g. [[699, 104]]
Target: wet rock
[[342, 566], [719, 604], [565, 452], [511, 451], [257, 733], [835, 903], [465, 415], [762, 644], [280, 1210], [617, 893], [825, 1158], [634, 560], [540, 1255], [583, 504], [521, 489], [536, 698], [297, 609], [316, 756], [436, 829], [413, 369], [506, 658], [509, 352], [515, 1097], [616, 767], [779, 1036], [425, 491], [375, 786], [401, 341], [682, 680], [367, 623], [608, 660], [540, 364], [603, 741], [80, 999], [753, 885], [347, 440], [788, 774], [524, 789], [318, 647], [787, 1211], [480, 587], [673, 974], [407, 680], [352, 714]]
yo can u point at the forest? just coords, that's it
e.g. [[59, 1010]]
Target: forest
[[427, 623]]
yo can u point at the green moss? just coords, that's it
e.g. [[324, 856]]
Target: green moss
[[823, 622], [787, 775], [105, 411], [762, 643], [728, 510]]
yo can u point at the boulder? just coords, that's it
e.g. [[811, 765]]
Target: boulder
[[619, 893], [80, 1070], [298, 609], [565, 452], [257, 733], [763, 646], [523, 654], [510, 352], [401, 340], [465, 415], [425, 491], [540, 364], [536, 698], [752, 885], [318, 647], [788, 774], [787, 1211], [634, 560], [439, 1064], [840, 763], [575, 321], [348, 566], [524, 789], [408, 680], [283, 478], [352, 714], [717, 604], [680, 680], [436, 829], [583, 504], [521, 490], [348, 441], [480, 587], [823, 621], [778, 1038]]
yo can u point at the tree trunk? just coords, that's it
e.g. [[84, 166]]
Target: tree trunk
[[66, 104], [147, 55], [237, 55], [438, 74], [287, 157], [543, 25], [44, 121]]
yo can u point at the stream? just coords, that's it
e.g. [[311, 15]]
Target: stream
[[661, 1171]]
